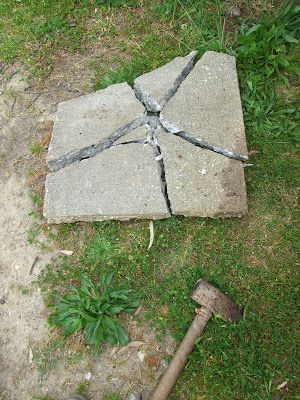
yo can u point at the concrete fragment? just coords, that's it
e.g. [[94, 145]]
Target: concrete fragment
[[119, 183], [92, 150], [155, 88], [200, 142], [201, 182], [149, 102], [207, 104], [88, 119]]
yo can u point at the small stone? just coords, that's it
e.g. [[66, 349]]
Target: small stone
[[130, 397], [88, 376], [233, 12]]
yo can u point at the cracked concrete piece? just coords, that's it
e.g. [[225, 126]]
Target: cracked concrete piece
[[119, 183], [86, 120], [112, 159], [201, 182], [159, 82], [207, 105]]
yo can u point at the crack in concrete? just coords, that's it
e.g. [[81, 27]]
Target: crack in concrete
[[180, 78], [154, 125], [146, 99], [153, 109], [154, 121], [173, 129], [92, 150], [150, 103]]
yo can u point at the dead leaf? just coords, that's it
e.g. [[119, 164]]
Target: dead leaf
[[138, 310], [252, 152], [151, 360], [134, 343], [282, 385], [151, 228], [66, 252], [30, 356], [141, 355]]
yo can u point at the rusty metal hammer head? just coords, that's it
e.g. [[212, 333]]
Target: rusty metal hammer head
[[210, 297]]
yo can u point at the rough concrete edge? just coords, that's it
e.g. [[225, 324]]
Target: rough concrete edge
[[146, 99], [91, 218], [180, 78], [171, 128], [92, 150]]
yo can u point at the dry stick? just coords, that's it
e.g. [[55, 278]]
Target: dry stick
[[36, 259]]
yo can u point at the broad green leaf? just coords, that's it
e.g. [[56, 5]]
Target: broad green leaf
[[72, 327], [253, 29], [289, 38], [85, 307], [122, 336]]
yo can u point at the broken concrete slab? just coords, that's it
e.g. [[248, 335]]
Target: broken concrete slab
[[155, 88], [185, 160], [207, 104], [201, 182], [88, 119], [120, 183]]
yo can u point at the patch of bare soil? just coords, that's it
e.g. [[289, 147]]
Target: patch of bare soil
[[27, 112]]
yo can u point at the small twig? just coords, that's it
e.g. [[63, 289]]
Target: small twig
[[13, 104], [36, 259], [245, 311], [8, 78], [34, 100]]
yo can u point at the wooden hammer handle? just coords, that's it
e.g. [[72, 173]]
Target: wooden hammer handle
[[178, 362]]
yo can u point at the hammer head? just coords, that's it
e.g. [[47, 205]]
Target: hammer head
[[210, 297]]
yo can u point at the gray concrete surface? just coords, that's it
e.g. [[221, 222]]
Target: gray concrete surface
[[88, 119], [162, 83], [207, 104], [98, 175], [139, 134], [119, 183], [201, 182]]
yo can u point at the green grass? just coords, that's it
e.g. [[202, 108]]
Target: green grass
[[36, 148], [34, 31], [52, 353], [111, 396], [94, 308], [253, 259]]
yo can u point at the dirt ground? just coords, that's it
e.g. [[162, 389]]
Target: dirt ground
[[27, 112]]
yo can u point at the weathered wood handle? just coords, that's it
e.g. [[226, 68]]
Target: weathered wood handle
[[178, 362]]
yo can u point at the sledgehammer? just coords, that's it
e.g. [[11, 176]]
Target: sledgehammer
[[212, 301]]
